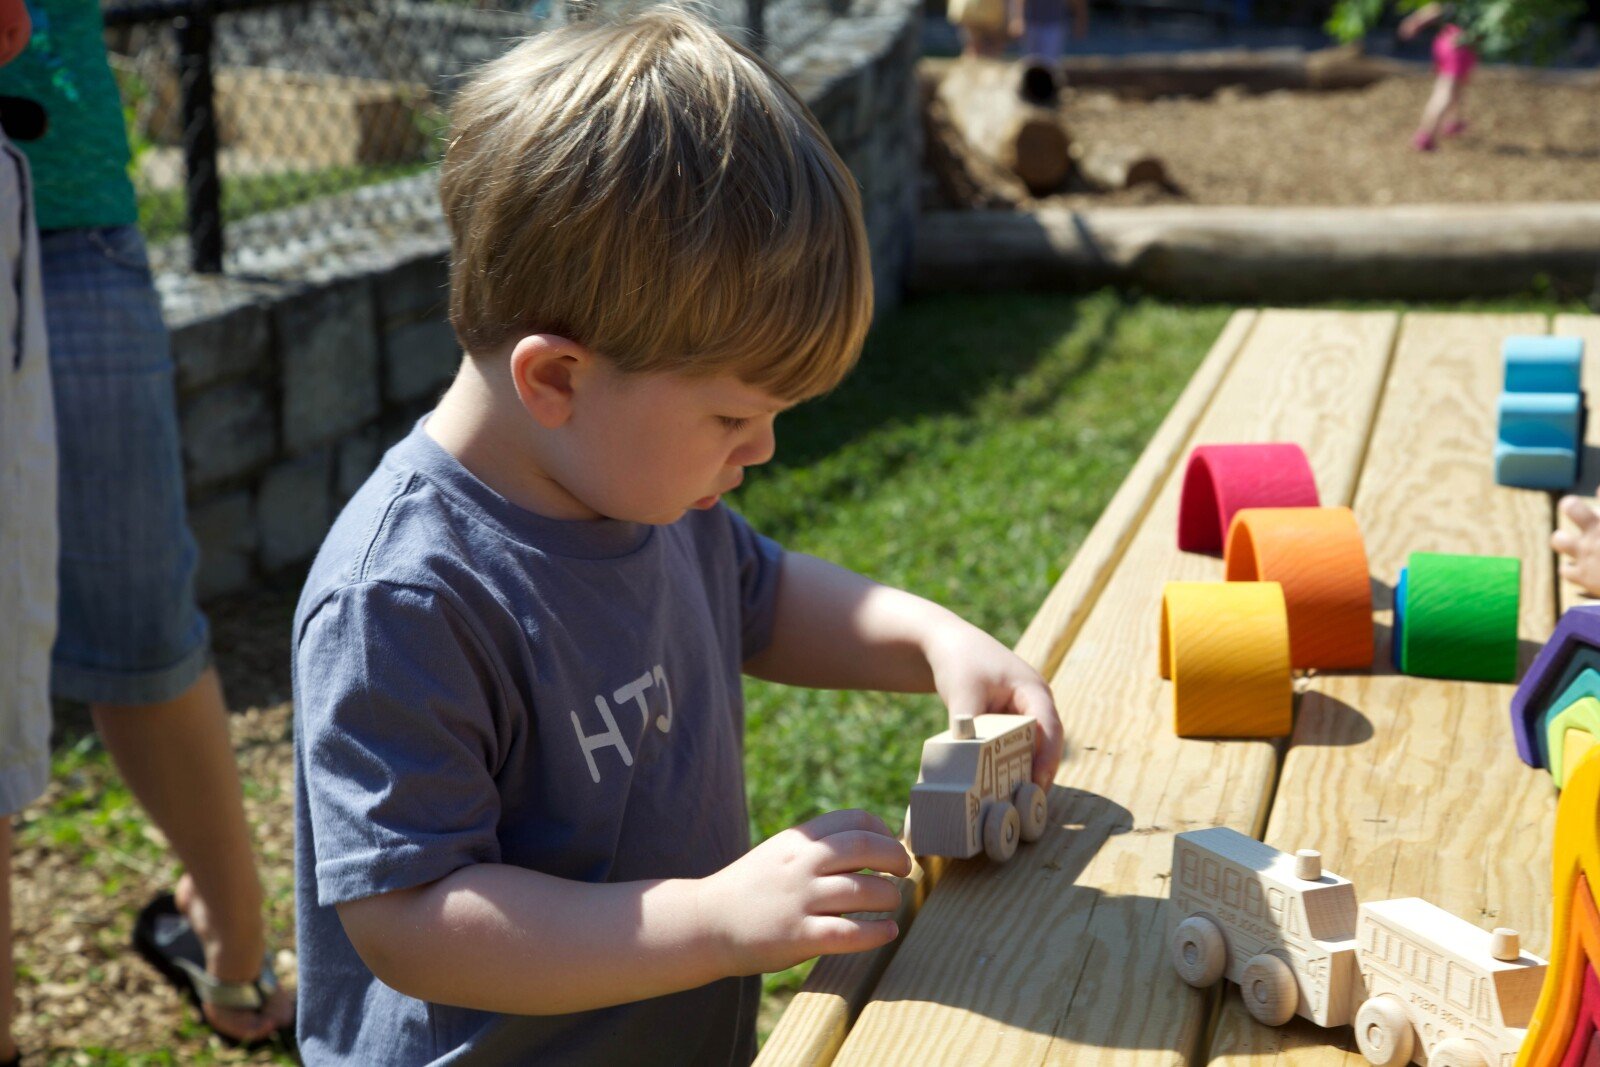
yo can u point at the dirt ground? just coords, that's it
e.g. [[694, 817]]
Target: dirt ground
[[1527, 139], [85, 863]]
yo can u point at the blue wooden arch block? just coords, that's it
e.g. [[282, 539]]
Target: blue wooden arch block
[[1539, 442], [1543, 364]]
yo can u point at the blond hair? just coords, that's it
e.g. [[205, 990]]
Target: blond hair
[[656, 192]]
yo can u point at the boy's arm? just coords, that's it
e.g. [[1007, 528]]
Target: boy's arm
[[398, 724], [501, 938], [835, 629]]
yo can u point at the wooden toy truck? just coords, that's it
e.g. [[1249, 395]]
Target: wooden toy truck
[[1419, 984], [975, 791]]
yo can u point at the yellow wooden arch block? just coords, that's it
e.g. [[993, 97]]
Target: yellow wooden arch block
[[1225, 645], [1572, 943]]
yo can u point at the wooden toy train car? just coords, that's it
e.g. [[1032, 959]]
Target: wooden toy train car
[[1419, 984], [975, 792]]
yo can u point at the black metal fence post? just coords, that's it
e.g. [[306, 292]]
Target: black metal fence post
[[198, 109]]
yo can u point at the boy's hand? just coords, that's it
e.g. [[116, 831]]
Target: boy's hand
[[1583, 546], [976, 675], [785, 900]]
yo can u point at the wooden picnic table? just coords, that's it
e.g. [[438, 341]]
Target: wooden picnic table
[[1408, 786]]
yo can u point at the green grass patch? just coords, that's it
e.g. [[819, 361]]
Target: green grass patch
[[965, 460], [162, 213]]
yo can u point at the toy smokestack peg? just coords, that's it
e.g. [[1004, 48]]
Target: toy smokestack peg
[[963, 729], [1505, 945], [1308, 865]]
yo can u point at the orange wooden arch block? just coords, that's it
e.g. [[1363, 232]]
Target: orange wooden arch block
[[1575, 923], [1317, 555], [1225, 645]]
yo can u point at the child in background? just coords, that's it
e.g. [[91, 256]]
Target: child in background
[[521, 831], [27, 518], [1582, 546], [986, 25], [1453, 63], [1044, 27]]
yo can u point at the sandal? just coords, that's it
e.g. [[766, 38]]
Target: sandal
[[163, 936]]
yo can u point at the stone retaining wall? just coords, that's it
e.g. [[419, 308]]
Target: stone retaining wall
[[302, 364]]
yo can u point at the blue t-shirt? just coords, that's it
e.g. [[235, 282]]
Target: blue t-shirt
[[475, 683]]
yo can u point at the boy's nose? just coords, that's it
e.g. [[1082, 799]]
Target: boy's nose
[[758, 450]]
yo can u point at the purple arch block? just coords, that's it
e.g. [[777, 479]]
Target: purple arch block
[[1578, 628]]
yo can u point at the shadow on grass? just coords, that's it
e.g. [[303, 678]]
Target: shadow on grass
[[920, 362]]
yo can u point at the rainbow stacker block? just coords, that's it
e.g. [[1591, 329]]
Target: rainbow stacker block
[[1570, 736], [1542, 413], [1573, 649]]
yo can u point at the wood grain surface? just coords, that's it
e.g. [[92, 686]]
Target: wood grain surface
[[1060, 955], [1412, 786], [814, 1024]]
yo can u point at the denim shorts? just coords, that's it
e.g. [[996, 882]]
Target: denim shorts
[[130, 631]]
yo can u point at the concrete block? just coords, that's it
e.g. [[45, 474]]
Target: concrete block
[[220, 326], [294, 509], [329, 363], [419, 359], [414, 289], [358, 454], [228, 431], [225, 530]]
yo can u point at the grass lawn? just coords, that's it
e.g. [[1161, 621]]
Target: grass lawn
[[162, 212], [965, 460]]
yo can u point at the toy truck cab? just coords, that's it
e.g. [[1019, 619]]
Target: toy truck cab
[[975, 791], [1274, 923], [1439, 990]]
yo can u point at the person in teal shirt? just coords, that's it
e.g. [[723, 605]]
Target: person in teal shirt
[[131, 641]]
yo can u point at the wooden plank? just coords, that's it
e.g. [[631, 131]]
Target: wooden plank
[[814, 1024], [1045, 641], [1587, 327], [1411, 786], [1058, 953]]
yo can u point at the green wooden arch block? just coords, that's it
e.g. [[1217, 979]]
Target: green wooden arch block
[[1461, 616], [1583, 716]]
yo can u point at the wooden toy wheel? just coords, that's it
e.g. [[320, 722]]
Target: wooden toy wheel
[[1199, 953], [1383, 1033], [1269, 989], [1458, 1052], [1002, 827], [1032, 810]]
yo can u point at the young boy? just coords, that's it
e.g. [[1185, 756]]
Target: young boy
[[521, 826]]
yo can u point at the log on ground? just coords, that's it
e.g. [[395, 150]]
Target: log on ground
[[1256, 254], [1006, 112]]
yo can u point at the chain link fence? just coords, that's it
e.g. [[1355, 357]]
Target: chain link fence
[[259, 124]]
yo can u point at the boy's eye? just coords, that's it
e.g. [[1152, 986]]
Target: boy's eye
[[732, 423]]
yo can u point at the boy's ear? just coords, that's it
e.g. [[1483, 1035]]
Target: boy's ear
[[547, 370]]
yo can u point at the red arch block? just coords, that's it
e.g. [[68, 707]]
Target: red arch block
[[1222, 479]]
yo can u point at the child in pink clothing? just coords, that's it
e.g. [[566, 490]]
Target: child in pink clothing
[[1453, 61]]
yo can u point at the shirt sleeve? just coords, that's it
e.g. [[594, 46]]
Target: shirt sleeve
[[395, 719], [760, 562]]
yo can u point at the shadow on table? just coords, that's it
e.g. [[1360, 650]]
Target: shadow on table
[[1028, 946]]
